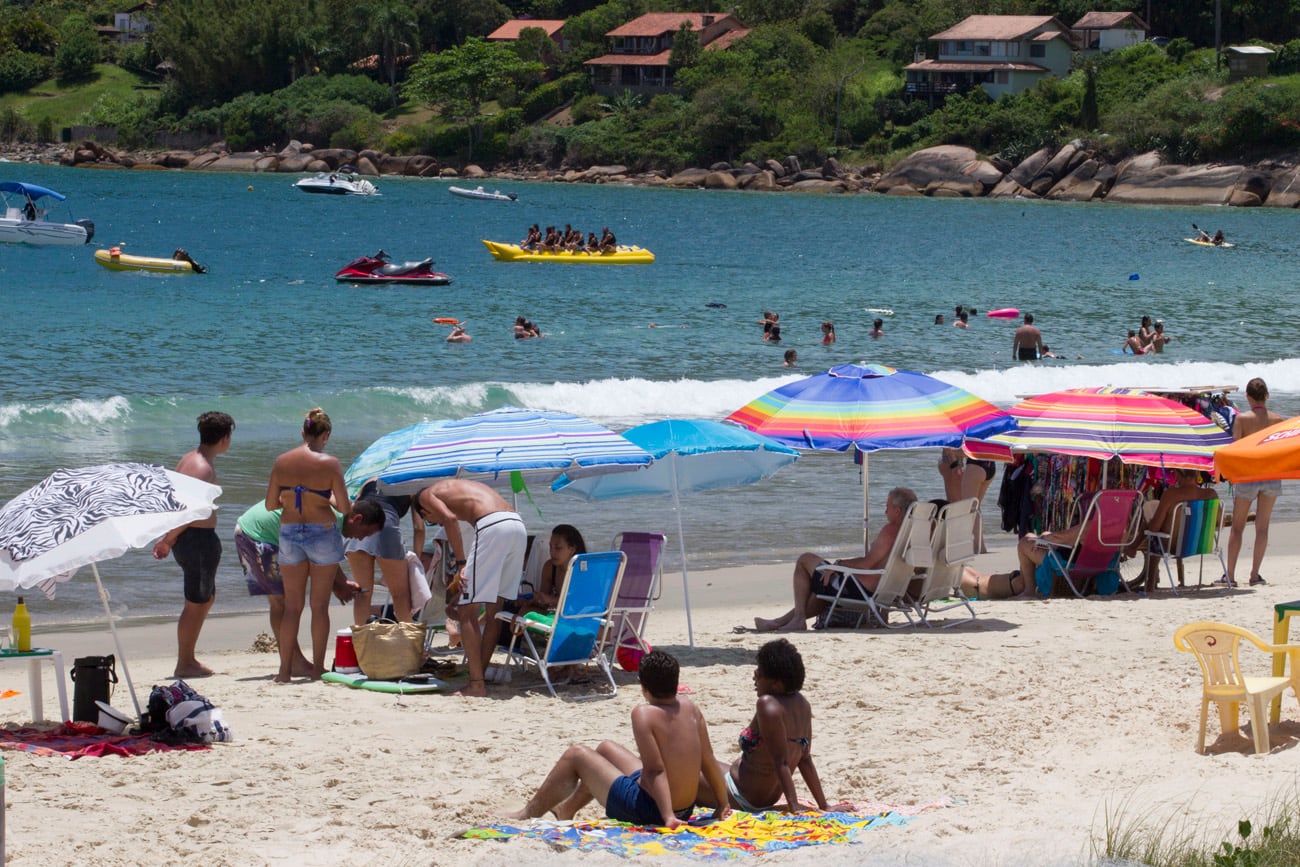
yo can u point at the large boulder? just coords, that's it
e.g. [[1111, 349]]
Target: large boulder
[[1062, 163], [917, 172], [203, 161], [1285, 190], [336, 157], [954, 189], [1010, 189], [763, 181], [791, 165], [295, 162], [473, 172], [775, 168], [817, 185], [689, 178], [365, 167], [448, 172], [1090, 180], [596, 172], [317, 166], [722, 179], [1143, 180], [174, 159], [240, 162], [831, 169]]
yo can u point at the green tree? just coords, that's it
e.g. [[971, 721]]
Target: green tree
[[78, 51], [459, 80], [686, 47], [390, 27]]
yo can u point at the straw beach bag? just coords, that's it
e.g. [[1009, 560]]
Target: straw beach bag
[[387, 651]]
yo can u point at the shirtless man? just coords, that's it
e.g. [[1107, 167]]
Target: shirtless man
[[1159, 338], [459, 335], [877, 328], [1027, 345], [1253, 420], [809, 582], [658, 788], [1133, 344], [1186, 488], [489, 567], [195, 545]]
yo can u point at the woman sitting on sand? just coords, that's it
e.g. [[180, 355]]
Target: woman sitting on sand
[[776, 741]]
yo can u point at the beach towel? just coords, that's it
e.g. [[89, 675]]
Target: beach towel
[[739, 835], [72, 740]]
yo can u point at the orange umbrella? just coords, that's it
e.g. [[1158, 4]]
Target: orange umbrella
[[1272, 453]]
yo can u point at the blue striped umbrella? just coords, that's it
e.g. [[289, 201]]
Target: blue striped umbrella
[[382, 452], [491, 447]]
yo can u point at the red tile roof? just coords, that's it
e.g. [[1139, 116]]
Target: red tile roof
[[659, 23], [948, 66], [727, 39], [1109, 21], [512, 29], [998, 27], [660, 59]]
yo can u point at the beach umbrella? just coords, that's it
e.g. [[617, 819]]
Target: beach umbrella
[[868, 407], [1272, 453], [381, 453], [78, 517], [1104, 423], [505, 447], [690, 455]]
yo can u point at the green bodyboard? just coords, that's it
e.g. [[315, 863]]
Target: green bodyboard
[[360, 681]]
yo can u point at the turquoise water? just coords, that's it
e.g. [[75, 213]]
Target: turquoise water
[[104, 366]]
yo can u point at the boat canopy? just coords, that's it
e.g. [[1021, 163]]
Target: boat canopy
[[30, 190]]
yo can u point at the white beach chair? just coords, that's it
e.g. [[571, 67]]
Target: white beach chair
[[952, 545], [911, 552]]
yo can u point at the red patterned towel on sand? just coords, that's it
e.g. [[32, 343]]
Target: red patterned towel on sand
[[72, 740]]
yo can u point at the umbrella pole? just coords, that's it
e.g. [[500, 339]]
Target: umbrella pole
[[866, 512], [117, 642], [681, 542]]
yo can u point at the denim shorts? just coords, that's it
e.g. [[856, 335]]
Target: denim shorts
[[1251, 490], [319, 544]]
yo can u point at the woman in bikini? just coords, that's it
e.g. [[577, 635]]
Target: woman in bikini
[[566, 543], [303, 481], [776, 741]]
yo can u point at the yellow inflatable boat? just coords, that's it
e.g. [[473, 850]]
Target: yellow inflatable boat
[[621, 256], [115, 260]]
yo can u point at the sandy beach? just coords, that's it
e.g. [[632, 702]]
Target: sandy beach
[[1037, 722]]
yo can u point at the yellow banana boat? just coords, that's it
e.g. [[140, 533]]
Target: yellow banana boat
[[621, 256], [126, 262]]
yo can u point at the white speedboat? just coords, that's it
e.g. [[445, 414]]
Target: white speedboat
[[344, 182], [23, 221], [480, 193]]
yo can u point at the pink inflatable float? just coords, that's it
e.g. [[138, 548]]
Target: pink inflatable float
[[1004, 313]]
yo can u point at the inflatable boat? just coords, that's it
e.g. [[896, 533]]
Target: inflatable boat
[[621, 256], [117, 261]]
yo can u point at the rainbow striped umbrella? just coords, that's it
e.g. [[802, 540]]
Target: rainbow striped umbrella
[[1124, 423], [868, 408], [871, 407]]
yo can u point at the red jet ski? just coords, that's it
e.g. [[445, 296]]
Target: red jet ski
[[377, 269]]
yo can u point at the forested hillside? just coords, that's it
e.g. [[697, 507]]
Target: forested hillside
[[812, 78]]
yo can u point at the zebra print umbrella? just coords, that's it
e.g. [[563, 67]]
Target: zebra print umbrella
[[77, 517]]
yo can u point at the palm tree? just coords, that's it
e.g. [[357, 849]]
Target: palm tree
[[392, 29]]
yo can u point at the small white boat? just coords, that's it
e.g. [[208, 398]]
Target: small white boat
[[480, 193], [23, 222], [344, 182]]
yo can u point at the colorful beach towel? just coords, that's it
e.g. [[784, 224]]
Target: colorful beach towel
[[739, 835], [72, 740]]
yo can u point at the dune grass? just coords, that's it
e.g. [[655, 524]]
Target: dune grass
[[63, 105], [1272, 840]]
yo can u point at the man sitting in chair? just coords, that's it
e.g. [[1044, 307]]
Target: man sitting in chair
[[809, 582], [1186, 488]]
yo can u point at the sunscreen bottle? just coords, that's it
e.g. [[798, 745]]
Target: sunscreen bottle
[[22, 627]]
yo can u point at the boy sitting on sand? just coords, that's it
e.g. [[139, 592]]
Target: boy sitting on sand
[[657, 789]]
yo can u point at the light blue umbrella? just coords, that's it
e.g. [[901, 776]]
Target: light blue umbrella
[[690, 455], [382, 452], [493, 447]]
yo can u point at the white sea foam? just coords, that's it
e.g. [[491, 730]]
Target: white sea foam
[[71, 411]]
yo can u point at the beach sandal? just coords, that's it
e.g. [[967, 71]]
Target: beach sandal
[[1257, 580], [1224, 582]]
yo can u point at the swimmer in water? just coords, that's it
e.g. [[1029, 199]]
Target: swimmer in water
[[791, 358], [877, 328], [1133, 345]]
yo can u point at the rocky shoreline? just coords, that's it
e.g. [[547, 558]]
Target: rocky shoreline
[[1071, 173]]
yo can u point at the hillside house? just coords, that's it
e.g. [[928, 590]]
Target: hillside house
[[134, 23], [509, 32], [1105, 31], [1000, 53], [640, 49]]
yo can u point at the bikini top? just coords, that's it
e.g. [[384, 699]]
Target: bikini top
[[298, 492], [751, 740]]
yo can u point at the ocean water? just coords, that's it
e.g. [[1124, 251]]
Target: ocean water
[[106, 366]]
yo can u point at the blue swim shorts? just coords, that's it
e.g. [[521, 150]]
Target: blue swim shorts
[[1251, 490], [319, 544], [628, 802]]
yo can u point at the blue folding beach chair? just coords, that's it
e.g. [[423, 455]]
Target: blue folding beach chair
[[577, 633]]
